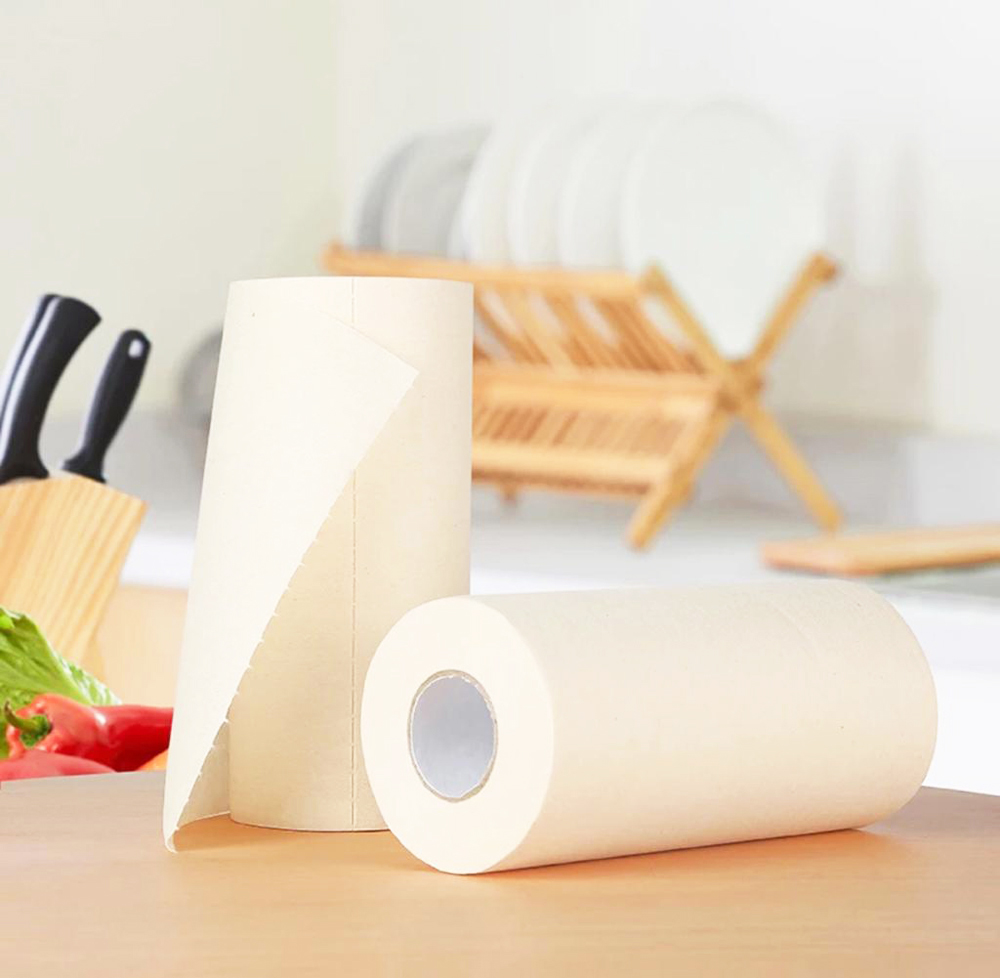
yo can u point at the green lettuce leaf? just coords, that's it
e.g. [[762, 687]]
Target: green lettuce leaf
[[30, 666]]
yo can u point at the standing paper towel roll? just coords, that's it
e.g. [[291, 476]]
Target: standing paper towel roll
[[336, 497], [530, 729]]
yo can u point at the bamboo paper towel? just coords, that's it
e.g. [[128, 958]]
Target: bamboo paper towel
[[336, 497], [529, 729]]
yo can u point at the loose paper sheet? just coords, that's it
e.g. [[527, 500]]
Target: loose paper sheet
[[339, 450]]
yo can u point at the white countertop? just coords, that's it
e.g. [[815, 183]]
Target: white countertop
[[556, 543]]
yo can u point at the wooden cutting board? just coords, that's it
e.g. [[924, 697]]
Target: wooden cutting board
[[889, 552]]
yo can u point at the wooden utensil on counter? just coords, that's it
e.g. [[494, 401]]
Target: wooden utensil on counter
[[889, 552], [63, 540]]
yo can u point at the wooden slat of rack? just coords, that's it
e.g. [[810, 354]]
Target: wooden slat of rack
[[594, 350], [553, 427], [632, 351], [589, 488], [543, 338], [578, 464], [646, 351], [674, 358], [596, 389], [607, 284], [520, 347], [527, 421]]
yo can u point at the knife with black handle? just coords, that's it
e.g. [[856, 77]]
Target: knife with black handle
[[64, 325], [23, 342], [112, 399]]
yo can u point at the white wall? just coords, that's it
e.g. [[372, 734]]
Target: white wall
[[150, 152], [895, 100]]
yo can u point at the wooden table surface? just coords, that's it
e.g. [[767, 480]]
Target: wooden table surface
[[89, 890]]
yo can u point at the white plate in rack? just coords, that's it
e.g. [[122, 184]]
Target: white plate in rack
[[540, 172], [590, 201], [719, 198], [422, 200], [365, 221], [482, 217]]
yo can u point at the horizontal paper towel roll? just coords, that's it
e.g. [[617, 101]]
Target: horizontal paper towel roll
[[530, 729]]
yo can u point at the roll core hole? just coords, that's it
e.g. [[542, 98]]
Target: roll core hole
[[453, 735]]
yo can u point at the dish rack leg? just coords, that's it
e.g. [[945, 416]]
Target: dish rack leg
[[791, 464], [509, 493], [665, 496]]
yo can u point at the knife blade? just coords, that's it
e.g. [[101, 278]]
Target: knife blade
[[20, 348], [112, 399], [64, 325]]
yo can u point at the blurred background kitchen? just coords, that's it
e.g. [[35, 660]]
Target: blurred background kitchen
[[153, 152]]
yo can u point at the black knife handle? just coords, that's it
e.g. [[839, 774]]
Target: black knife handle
[[23, 342], [65, 324], [112, 399]]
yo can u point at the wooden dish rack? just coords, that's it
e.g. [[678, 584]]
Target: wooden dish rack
[[604, 383]]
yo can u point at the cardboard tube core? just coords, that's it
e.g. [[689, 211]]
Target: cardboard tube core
[[453, 735]]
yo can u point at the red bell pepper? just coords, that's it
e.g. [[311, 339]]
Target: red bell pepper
[[121, 737], [37, 764]]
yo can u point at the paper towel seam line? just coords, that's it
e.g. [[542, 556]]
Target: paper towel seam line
[[354, 619]]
